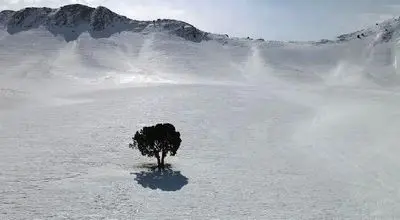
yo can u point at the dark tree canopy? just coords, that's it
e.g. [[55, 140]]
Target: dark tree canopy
[[157, 141]]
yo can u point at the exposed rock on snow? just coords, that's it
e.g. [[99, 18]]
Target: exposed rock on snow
[[71, 21], [387, 31]]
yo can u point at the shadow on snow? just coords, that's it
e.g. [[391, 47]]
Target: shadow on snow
[[165, 180]]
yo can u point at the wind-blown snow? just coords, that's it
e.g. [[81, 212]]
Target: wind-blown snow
[[271, 130]]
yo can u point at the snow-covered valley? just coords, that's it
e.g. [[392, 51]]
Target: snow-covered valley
[[270, 130]]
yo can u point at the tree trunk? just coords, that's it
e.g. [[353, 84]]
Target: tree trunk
[[162, 160], [158, 161]]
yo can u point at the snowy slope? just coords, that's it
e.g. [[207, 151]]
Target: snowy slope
[[271, 130]]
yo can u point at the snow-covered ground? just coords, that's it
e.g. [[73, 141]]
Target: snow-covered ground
[[270, 130]]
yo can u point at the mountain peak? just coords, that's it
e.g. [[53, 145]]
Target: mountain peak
[[70, 21]]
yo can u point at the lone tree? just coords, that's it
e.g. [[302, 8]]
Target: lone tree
[[157, 141]]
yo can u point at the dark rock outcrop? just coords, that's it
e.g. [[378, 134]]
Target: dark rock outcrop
[[70, 21]]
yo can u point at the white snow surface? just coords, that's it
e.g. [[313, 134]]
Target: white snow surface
[[270, 130]]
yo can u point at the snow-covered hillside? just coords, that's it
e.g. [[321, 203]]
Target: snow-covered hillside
[[270, 130]]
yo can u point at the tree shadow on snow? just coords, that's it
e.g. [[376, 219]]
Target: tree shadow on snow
[[165, 180]]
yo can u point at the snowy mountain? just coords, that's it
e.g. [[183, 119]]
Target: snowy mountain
[[71, 21], [91, 33], [270, 129]]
